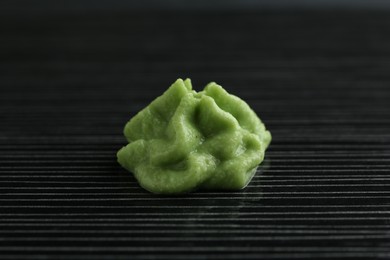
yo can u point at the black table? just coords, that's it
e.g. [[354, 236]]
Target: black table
[[320, 81]]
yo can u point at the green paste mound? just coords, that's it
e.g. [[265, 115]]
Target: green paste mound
[[186, 140]]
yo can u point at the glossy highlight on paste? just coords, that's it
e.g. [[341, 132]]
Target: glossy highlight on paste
[[186, 140]]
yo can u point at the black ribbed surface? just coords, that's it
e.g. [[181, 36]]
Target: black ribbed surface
[[319, 80]]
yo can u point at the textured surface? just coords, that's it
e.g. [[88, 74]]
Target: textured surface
[[320, 82], [186, 140]]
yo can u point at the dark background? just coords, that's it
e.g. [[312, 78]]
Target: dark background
[[316, 72]]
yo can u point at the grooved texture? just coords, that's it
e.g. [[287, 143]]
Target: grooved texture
[[318, 80]]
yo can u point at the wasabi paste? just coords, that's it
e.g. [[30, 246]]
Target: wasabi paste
[[186, 140]]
